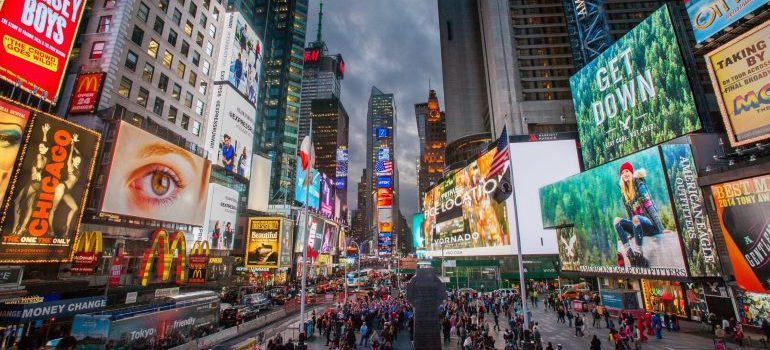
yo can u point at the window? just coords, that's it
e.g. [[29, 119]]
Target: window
[[199, 105], [193, 9], [109, 3], [449, 30], [176, 91], [196, 59], [148, 72], [199, 39], [131, 59], [192, 78], [143, 12], [196, 128], [97, 49], [209, 48], [185, 48], [188, 27], [167, 59], [188, 99], [181, 2], [206, 4], [177, 17], [104, 24], [124, 89], [141, 98], [203, 20], [163, 82], [213, 30], [180, 68], [152, 48], [157, 107], [185, 121], [158, 26], [203, 87], [163, 5], [172, 37], [206, 67], [137, 35], [172, 113], [215, 14]]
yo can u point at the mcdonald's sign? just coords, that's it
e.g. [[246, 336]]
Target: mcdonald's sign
[[199, 258], [85, 94], [163, 246], [88, 249]]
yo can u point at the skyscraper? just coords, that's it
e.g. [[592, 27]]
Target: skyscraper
[[431, 128]]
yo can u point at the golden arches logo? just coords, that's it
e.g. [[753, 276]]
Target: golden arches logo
[[200, 248], [89, 242], [163, 247], [89, 82], [197, 275]]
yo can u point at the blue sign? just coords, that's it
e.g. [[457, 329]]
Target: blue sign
[[382, 133], [612, 300], [711, 16], [314, 185], [340, 183], [384, 182], [15, 313], [383, 153]]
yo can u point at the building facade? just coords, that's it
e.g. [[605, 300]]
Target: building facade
[[431, 128]]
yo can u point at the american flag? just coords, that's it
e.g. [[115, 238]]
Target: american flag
[[384, 167], [502, 157]]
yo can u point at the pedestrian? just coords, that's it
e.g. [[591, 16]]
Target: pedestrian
[[364, 334], [597, 318], [579, 326], [570, 316], [719, 333], [657, 326], [739, 334], [607, 318], [596, 344], [766, 330]]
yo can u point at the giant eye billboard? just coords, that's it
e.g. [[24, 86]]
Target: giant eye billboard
[[155, 179], [635, 94]]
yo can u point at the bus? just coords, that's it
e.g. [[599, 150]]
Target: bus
[[166, 323]]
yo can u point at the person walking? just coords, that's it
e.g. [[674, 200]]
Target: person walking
[[579, 326], [596, 344], [364, 335], [570, 316]]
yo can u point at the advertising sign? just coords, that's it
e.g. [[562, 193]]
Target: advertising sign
[[384, 182], [314, 187], [263, 245], [13, 122], [384, 197], [240, 57], [230, 131], [621, 216], [286, 243], [199, 259], [22, 313], [383, 153], [10, 275], [329, 236], [221, 213], [635, 94], [711, 16], [87, 252], [37, 41], [382, 133], [417, 236], [116, 267], [740, 71], [155, 179], [743, 208], [85, 96], [385, 219], [312, 233], [327, 195], [47, 192], [165, 248]]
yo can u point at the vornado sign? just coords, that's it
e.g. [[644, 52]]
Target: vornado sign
[[164, 246]]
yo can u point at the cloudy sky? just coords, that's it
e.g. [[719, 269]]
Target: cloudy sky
[[395, 46]]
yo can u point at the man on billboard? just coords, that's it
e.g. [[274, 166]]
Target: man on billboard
[[228, 153], [644, 216]]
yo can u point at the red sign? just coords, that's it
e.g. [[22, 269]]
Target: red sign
[[116, 269], [312, 55], [84, 262], [85, 96], [37, 39], [341, 68]]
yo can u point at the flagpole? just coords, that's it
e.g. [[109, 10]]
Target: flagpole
[[308, 175]]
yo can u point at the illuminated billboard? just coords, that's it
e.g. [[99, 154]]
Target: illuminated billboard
[[312, 231], [240, 57], [330, 233], [709, 17], [635, 94], [37, 41], [263, 242], [327, 195], [417, 236], [744, 90], [309, 187], [382, 133], [384, 182], [383, 153], [13, 122], [85, 96], [385, 219], [230, 131], [48, 188], [155, 179], [221, 214]]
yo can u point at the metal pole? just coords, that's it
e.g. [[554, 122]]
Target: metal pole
[[345, 279], [305, 239]]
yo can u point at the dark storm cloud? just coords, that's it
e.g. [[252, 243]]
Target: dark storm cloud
[[393, 45]]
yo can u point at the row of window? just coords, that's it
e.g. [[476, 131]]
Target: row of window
[[143, 97]]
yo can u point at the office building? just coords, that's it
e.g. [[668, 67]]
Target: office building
[[431, 128], [330, 132]]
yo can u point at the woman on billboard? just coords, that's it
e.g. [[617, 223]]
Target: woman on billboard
[[644, 215]]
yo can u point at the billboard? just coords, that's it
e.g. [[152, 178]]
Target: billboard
[[331, 232], [155, 179], [385, 219], [263, 242], [743, 85], [13, 122], [287, 233], [221, 214], [312, 189], [384, 182], [37, 41], [620, 217], [87, 252], [312, 231], [383, 153], [164, 247], [259, 185], [47, 191], [85, 96], [743, 208], [240, 57], [635, 94], [327, 195], [417, 236], [384, 197], [230, 131], [708, 17], [382, 133]]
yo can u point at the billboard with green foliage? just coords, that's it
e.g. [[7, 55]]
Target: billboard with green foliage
[[634, 95]]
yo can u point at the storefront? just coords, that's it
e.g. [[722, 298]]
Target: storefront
[[664, 297]]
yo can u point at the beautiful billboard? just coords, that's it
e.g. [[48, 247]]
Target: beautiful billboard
[[240, 57], [263, 245], [85, 96], [743, 208], [230, 131], [48, 189], [327, 195], [37, 41], [635, 94], [13, 122], [711, 16], [739, 70], [155, 179], [310, 188], [221, 215], [617, 218]]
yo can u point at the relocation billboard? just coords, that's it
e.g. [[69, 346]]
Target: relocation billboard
[[47, 191], [711, 16], [240, 57], [13, 122], [739, 70], [230, 131], [327, 195], [221, 216], [155, 179], [37, 41], [311, 189], [743, 207], [264, 246], [635, 94], [85, 96]]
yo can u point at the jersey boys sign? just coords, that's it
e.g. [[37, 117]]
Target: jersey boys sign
[[37, 39]]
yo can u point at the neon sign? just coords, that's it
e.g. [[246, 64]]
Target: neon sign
[[312, 55], [163, 247]]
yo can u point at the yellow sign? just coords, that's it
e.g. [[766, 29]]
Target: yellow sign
[[263, 243], [163, 246], [215, 261]]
